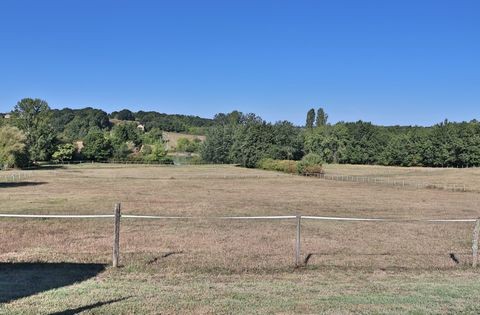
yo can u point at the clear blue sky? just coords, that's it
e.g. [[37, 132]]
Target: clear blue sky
[[389, 62]]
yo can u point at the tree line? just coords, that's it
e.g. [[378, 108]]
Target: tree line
[[247, 139], [35, 132]]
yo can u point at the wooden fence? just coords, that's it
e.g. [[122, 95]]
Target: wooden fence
[[117, 217]]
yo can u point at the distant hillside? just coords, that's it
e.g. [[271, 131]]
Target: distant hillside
[[171, 139], [73, 124], [176, 123]]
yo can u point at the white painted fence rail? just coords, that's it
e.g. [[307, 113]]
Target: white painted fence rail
[[14, 177], [117, 216], [392, 182]]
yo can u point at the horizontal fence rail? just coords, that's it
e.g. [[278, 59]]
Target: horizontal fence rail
[[14, 177], [273, 217], [117, 216], [392, 182]]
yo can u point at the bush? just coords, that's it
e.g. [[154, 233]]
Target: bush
[[287, 166], [310, 164], [196, 160], [187, 145]]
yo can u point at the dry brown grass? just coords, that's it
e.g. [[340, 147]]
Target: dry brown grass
[[470, 177], [221, 248]]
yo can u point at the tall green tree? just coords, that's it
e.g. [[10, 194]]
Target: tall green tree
[[33, 117], [310, 118], [322, 117]]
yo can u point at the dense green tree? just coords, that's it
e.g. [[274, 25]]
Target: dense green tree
[[33, 117], [329, 142], [287, 141], [124, 114], [219, 142], [322, 117], [122, 133], [310, 118], [97, 146], [84, 121], [64, 152]]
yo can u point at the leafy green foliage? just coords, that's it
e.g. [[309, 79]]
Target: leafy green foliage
[[126, 133], [155, 153], [176, 123], [64, 152], [33, 117], [152, 136], [247, 139], [286, 166], [12, 147], [218, 145], [97, 146], [310, 118], [124, 114], [187, 145], [72, 125], [310, 164], [322, 117], [243, 139]]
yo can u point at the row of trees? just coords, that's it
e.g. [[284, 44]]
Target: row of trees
[[34, 133], [37, 133], [247, 139], [166, 122]]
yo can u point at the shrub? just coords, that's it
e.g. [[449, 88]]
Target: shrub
[[310, 164], [287, 166]]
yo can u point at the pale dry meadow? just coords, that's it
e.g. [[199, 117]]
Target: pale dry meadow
[[211, 265]]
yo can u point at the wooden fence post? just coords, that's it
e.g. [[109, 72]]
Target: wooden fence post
[[476, 230], [116, 236], [297, 241]]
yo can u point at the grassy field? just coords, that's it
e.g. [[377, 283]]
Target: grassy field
[[219, 266], [460, 177]]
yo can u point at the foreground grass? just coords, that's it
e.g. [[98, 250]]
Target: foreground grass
[[299, 291]]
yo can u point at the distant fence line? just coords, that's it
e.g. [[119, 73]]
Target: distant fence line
[[13, 177], [117, 216], [391, 182], [128, 162]]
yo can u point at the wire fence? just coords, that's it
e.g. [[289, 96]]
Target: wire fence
[[14, 177], [117, 217], [402, 183]]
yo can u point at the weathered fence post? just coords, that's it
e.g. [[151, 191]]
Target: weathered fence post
[[116, 236], [297, 242], [475, 243]]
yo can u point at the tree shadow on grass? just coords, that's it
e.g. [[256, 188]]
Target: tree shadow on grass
[[47, 167], [19, 280], [87, 307], [20, 184]]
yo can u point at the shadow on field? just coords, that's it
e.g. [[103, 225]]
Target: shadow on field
[[20, 184], [73, 311], [18, 280], [45, 167]]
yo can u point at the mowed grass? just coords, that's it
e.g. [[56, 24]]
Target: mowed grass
[[222, 266]]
